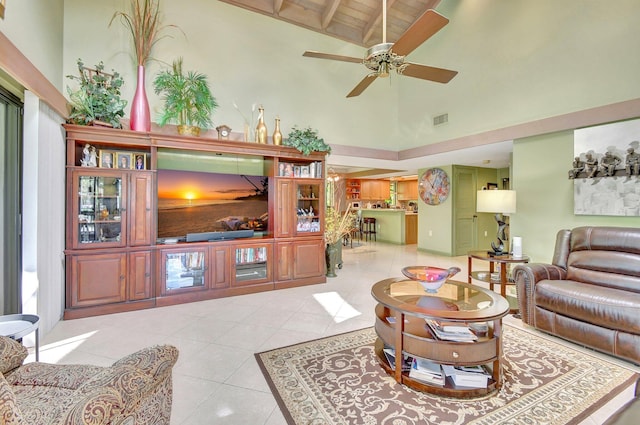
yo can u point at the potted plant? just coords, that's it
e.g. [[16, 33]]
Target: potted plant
[[306, 141], [337, 224], [97, 99], [188, 101]]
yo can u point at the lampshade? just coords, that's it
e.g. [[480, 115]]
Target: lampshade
[[496, 201]]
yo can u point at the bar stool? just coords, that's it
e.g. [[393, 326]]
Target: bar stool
[[369, 228]]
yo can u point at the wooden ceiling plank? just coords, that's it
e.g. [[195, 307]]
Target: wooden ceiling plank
[[375, 20], [329, 12], [277, 6]]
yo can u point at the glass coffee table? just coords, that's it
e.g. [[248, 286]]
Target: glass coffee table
[[401, 314]]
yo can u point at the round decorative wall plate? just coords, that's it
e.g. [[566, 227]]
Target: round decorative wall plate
[[433, 186]]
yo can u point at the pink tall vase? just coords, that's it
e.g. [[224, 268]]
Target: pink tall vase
[[140, 119]]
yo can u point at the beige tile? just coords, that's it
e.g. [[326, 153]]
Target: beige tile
[[217, 379]]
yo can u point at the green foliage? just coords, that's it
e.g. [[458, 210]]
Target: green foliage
[[306, 141], [187, 98], [97, 97], [337, 224]]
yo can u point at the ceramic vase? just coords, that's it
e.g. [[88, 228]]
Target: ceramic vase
[[277, 135], [140, 118], [261, 129], [331, 254]]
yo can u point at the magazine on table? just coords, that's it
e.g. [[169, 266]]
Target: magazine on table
[[467, 376], [462, 334], [390, 354], [427, 371]]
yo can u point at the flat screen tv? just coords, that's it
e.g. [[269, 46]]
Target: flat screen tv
[[198, 202]]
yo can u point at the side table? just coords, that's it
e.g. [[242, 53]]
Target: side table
[[485, 276], [16, 326]]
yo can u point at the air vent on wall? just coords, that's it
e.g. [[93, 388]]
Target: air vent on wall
[[440, 119]]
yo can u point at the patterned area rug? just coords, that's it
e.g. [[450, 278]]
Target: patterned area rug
[[337, 380]]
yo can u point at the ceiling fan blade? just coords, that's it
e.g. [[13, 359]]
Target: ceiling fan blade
[[424, 72], [318, 55], [427, 25], [362, 85]]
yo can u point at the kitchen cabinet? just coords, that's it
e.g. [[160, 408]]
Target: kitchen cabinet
[[407, 190], [374, 189]]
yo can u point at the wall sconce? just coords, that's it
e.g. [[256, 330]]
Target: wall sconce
[[499, 202]]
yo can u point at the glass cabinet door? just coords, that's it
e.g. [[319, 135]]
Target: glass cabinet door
[[183, 269], [308, 207], [99, 208]]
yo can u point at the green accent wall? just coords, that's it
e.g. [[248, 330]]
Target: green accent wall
[[435, 222], [390, 223], [545, 194]]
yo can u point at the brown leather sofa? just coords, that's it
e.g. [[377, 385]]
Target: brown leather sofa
[[590, 294]]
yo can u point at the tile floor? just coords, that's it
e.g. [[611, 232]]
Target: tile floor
[[216, 379]]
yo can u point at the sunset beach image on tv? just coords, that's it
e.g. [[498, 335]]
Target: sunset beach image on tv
[[196, 202]]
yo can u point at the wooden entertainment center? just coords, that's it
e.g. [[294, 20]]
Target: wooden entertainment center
[[114, 259]]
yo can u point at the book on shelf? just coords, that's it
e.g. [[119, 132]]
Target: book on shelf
[[467, 376], [461, 334], [390, 354], [426, 371]]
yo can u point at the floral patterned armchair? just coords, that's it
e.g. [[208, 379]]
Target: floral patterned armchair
[[134, 390]]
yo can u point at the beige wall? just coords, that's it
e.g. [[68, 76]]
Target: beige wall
[[518, 61], [35, 28], [248, 59]]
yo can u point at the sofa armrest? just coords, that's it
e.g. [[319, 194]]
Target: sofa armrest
[[118, 390], [12, 354], [154, 361], [526, 277]]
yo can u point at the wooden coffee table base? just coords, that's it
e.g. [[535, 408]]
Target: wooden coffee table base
[[402, 327]]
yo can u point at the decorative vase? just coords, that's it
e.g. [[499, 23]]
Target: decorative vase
[[247, 133], [140, 119], [331, 254], [261, 129], [277, 135], [189, 130]]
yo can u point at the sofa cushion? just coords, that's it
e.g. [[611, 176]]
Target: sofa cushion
[[10, 413], [53, 375], [611, 308], [43, 404], [12, 354], [605, 256]]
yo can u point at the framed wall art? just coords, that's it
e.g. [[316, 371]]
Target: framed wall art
[[605, 169]]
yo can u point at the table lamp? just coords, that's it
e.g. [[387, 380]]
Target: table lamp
[[499, 202]]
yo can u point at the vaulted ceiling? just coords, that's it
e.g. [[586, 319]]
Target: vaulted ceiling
[[355, 21]]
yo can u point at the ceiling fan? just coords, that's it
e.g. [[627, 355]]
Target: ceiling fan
[[383, 57]]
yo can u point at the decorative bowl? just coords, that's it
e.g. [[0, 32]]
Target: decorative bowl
[[431, 278]]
